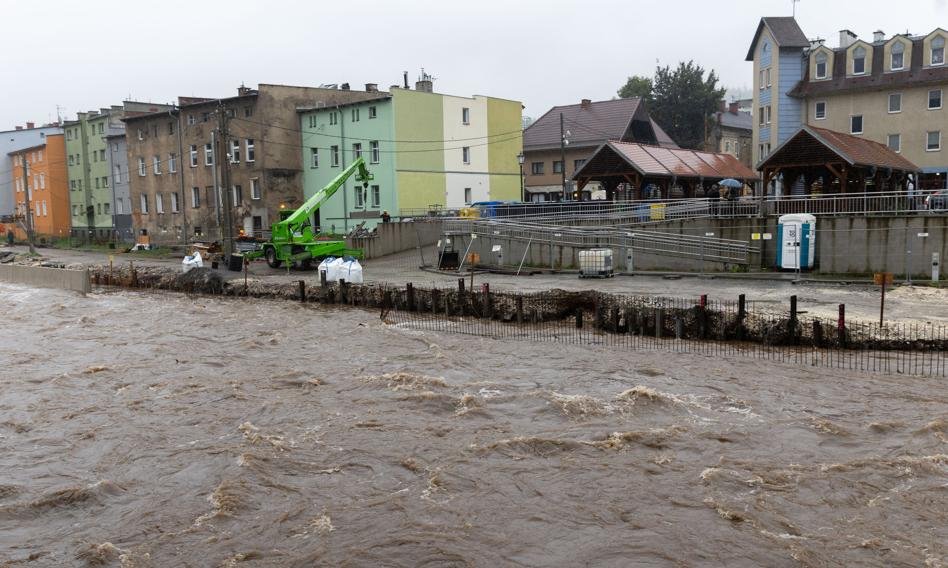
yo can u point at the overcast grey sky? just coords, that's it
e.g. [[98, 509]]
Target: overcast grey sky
[[83, 55]]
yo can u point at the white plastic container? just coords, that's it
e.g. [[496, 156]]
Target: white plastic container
[[596, 263], [192, 261]]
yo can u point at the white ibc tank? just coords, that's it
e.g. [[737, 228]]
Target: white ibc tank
[[595, 262], [796, 241]]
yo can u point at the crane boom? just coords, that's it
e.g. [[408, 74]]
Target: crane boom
[[301, 215]]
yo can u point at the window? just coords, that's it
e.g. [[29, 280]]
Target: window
[[334, 156], [254, 188], [235, 151], [154, 130], [195, 197], [75, 210], [250, 149], [312, 121], [141, 134], [39, 209], [333, 118], [355, 115], [99, 208], [938, 50], [359, 196], [768, 109], [208, 155], [44, 208], [895, 102], [172, 163], [194, 155], [101, 154], [238, 196], [578, 164], [374, 149], [376, 196], [934, 99], [248, 112], [209, 190], [819, 111], [897, 56], [821, 65], [105, 208], [191, 120], [557, 167], [465, 115], [42, 181], [95, 157], [934, 141], [205, 116], [156, 164], [144, 205], [197, 231], [314, 157], [373, 112], [72, 184], [141, 167], [894, 142], [170, 128], [356, 151], [174, 202], [859, 60], [117, 174], [466, 154], [767, 75], [467, 195], [105, 181], [760, 80], [760, 116], [536, 168], [72, 160], [159, 204], [119, 206], [855, 124], [101, 127]]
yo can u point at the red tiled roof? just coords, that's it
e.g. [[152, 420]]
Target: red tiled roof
[[855, 150], [668, 162]]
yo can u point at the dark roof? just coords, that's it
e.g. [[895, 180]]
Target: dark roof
[[191, 105], [589, 125], [653, 161], [784, 29], [878, 78], [807, 146], [742, 120], [662, 137]]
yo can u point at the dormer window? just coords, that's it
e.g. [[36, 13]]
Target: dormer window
[[938, 50], [898, 56], [821, 65], [859, 61]]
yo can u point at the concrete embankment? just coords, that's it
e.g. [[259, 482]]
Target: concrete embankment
[[76, 280]]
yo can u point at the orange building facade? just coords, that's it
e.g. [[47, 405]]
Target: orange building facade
[[45, 185]]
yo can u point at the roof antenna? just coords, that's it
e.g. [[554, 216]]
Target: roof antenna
[[794, 2]]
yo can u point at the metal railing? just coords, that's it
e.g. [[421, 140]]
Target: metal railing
[[666, 244]]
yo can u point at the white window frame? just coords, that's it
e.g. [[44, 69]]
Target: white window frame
[[195, 197], [824, 63], [928, 136], [893, 53], [159, 204], [334, 156], [238, 195], [768, 113], [144, 204], [141, 166], [865, 54], [172, 163], [235, 151], [899, 109], [250, 150], [356, 150], [888, 139], [314, 158], [816, 110], [193, 151], [156, 165], [375, 153], [175, 207], [468, 195], [376, 195], [359, 197], [208, 154], [931, 55], [255, 189], [117, 173], [941, 99], [373, 112], [466, 155], [191, 120], [862, 125], [465, 115]]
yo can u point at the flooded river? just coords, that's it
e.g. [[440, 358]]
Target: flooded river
[[161, 430]]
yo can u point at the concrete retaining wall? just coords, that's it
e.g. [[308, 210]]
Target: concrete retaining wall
[[397, 237], [75, 280]]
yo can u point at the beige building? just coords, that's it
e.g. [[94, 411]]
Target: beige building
[[177, 161]]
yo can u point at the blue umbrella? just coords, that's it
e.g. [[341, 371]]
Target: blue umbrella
[[730, 182]]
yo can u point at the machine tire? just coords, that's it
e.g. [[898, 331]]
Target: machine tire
[[307, 263], [272, 260]]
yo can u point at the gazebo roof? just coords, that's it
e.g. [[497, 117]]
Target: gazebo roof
[[618, 158], [812, 146]]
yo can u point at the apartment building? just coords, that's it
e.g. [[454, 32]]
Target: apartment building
[[40, 187], [885, 89], [20, 138], [425, 150], [586, 126], [731, 132], [180, 159]]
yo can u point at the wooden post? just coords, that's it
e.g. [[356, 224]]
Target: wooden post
[[322, 279], [659, 322], [435, 300], [302, 290], [817, 333], [841, 326], [579, 318], [410, 293], [341, 291], [488, 307], [741, 315], [598, 314], [615, 320], [519, 309], [792, 323]]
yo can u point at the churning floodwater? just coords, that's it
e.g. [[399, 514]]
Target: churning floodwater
[[142, 429]]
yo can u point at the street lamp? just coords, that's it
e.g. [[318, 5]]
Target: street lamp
[[520, 158]]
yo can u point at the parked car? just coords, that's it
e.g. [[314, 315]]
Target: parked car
[[937, 200]]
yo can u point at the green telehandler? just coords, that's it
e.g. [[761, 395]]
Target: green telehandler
[[293, 239]]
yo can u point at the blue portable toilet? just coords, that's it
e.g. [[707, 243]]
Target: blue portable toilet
[[796, 241]]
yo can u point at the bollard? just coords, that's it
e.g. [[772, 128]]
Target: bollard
[[302, 284], [741, 315], [841, 326], [520, 309], [410, 294]]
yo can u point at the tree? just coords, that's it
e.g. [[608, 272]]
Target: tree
[[636, 86], [683, 100]]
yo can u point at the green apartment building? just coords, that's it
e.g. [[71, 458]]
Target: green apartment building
[[425, 149]]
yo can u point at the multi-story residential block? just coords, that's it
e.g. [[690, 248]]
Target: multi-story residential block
[[181, 159], [731, 132], [42, 183], [90, 173], [20, 138], [425, 149], [587, 126], [116, 156], [889, 90]]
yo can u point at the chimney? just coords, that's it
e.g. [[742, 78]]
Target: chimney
[[406, 80], [878, 36], [722, 105], [846, 38], [371, 87], [585, 103], [424, 86], [345, 87], [19, 128], [242, 90], [733, 107], [30, 125]]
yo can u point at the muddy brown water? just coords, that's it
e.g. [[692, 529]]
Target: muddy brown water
[[142, 429]]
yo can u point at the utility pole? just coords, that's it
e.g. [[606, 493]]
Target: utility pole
[[563, 156], [227, 234], [26, 199], [179, 165]]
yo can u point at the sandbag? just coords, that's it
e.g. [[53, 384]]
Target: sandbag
[[192, 261]]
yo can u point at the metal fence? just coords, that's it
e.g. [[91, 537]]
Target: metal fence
[[714, 328]]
